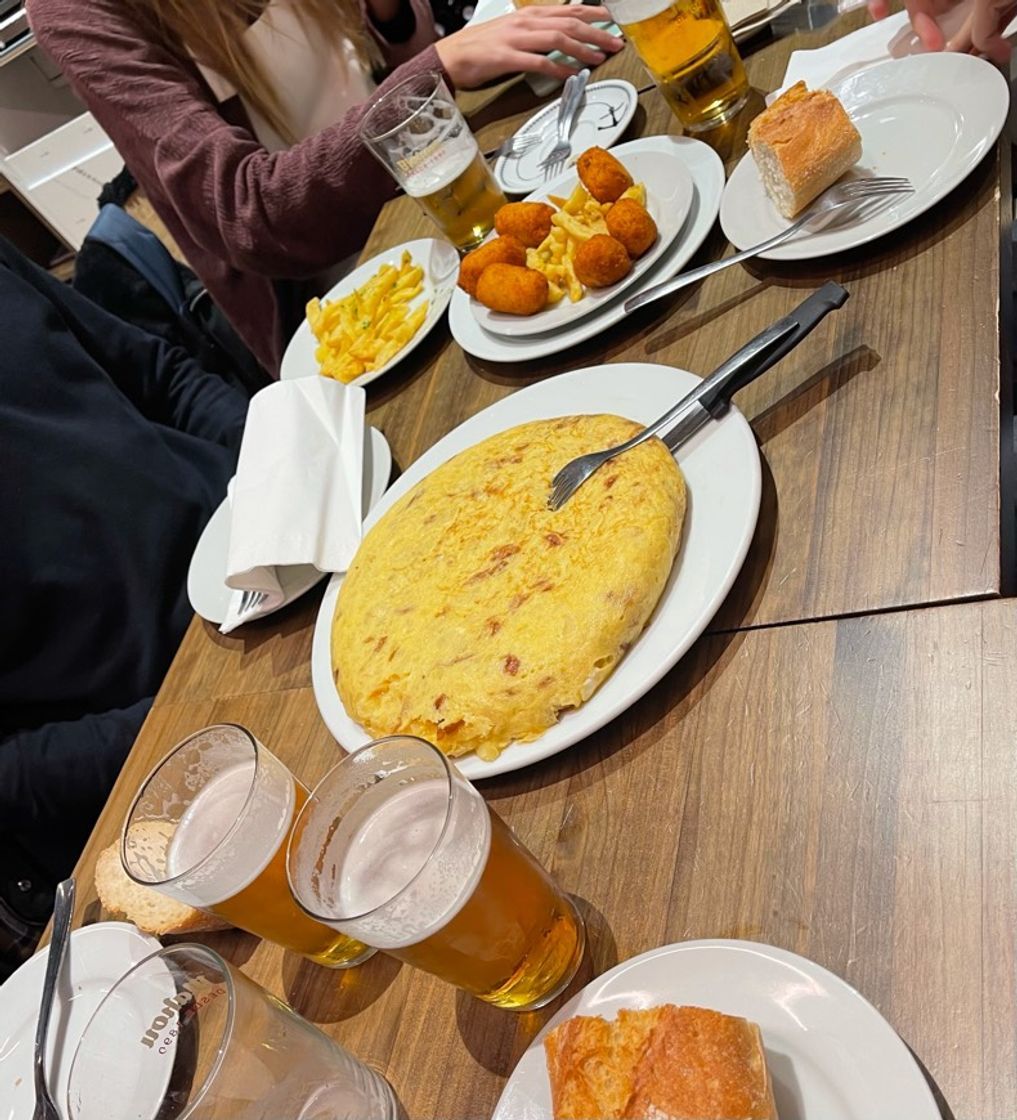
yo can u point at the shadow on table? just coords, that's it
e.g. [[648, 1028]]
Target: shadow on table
[[325, 995], [497, 1038], [941, 1102]]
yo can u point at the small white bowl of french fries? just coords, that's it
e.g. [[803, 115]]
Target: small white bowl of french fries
[[374, 317], [660, 184]]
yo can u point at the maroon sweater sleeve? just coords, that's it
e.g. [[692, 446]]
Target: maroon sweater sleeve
[[287, 214]]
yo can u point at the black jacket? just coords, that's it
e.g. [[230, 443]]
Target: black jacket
[[115, 449]]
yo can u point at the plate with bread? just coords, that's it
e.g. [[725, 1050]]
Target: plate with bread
[[730, 1029], [929, 118], [571, 247]]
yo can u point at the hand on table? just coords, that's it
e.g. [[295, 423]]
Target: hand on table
[[521, 41], [977, 25]]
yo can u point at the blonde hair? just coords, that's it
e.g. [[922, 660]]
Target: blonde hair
[[212, 33]]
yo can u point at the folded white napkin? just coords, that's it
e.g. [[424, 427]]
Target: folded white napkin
[[876, 42], [296, 497]]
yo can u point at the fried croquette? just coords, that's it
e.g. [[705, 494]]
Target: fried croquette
[[601, 261], [512, 290], [528, 222], [502, 250], [602, 175], [631, 224]]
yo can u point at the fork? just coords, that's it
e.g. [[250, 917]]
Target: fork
[[63, 910], [711, 397], [555, 159], [250, 601], [515, 146], [840, 196]]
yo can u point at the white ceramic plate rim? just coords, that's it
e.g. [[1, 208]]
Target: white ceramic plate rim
[[721, 461], [299, 361], [544, 120], [662, 976], [671, 214], [747, 215], [19, 1000], [295, 579], [707, 173]]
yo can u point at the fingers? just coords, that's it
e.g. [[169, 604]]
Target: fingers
[[928, 31], [879, 9], [987, 24]]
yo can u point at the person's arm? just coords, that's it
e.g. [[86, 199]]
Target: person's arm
[[65, 770], [162, 381]]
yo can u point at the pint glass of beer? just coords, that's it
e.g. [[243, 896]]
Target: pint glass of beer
[[687, 47], [418, 133], [396, 848], [209, 827]]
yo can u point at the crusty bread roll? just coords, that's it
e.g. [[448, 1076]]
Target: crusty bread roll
[[149, 910], [802, 144], [668, 1063]]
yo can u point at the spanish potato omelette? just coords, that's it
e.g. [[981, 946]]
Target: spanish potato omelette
[[472, 615]]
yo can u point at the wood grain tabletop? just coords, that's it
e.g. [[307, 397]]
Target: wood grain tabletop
[[845, 790]]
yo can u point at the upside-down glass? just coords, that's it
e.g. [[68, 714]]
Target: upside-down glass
[[209, 827], [396, 848], [184, 1035], [417, 132], [687, 47]]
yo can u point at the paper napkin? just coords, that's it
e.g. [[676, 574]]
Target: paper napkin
[[296, 497]]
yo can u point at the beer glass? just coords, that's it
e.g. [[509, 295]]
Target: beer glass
[[418, 133], [686, 46], [209, 827], [396, 848], [184, 1036]]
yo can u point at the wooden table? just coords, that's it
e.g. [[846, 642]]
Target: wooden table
[[844, 788]]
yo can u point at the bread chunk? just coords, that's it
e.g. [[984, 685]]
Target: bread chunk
[[802, 144], [664, 1063]]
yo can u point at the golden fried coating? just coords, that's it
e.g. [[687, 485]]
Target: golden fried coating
[[528, 222], [631, 224], [601, 261], [503, 250], [602, 175], [512, 290]]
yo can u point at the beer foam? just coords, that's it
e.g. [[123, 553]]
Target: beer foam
[[635, 11], [208, 819], [437, 169], [391, 873]]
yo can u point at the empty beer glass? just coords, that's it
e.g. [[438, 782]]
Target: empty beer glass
[[184, 1036], [394, 847], [209, 827]]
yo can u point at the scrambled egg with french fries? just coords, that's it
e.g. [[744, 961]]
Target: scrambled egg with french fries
[[578, 218], [367, 328]]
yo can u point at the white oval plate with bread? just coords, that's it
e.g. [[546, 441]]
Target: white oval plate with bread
[[724, 480], [931, 118], [707, 172], [670, 191], [97, 957], [830, 1054]]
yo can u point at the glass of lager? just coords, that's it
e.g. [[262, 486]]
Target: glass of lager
[[396, 848], [184, 1036], [209, 827], [687, 47], [418, 133]]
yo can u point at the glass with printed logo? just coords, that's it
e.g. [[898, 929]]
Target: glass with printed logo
[[416, 131], [396, 848], [209, 827], [184, 1036], [687, 47]]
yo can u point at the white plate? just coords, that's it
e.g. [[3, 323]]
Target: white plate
[[607, 108], [831, 1055], [721, 466], [206, 577], [441, 270], [669, 195], [707, 172], [929, 117], [98, 956]]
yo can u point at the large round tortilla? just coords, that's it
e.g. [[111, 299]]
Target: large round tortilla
[[472, 615]]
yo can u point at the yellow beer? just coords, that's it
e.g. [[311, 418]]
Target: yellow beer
[[210, 827], [688, 50], [397, 849], [464, 201]]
